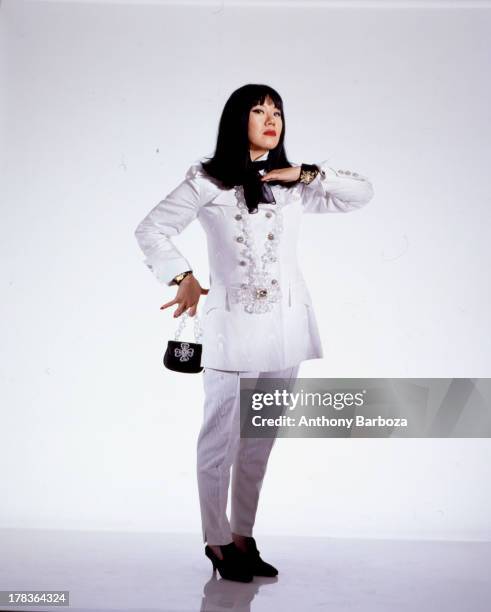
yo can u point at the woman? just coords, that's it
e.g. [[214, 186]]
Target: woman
[[258, 320]]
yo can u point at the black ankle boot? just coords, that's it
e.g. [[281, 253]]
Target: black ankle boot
[[257, 566], [233, 566]]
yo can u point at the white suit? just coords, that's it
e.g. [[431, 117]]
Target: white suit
[[234, 339], [257, 319]]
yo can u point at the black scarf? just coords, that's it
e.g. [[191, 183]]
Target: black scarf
[[256, 190]]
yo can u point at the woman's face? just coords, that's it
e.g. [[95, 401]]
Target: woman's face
[[265, 125]]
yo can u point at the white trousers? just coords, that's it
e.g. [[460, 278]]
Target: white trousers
[[220, 447]]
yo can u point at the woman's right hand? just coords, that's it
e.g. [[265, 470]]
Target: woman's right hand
[[187, 296]]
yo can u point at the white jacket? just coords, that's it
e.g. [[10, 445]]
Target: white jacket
[[234, 339]]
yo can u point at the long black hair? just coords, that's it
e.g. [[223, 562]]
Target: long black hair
[[232, 156]]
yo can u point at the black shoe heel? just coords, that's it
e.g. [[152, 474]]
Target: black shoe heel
[[211, 556], [232, 566]]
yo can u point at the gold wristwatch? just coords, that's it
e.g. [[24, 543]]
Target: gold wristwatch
[[180, 277]]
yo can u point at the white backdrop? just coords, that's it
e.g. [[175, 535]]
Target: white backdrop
[[104, 107]]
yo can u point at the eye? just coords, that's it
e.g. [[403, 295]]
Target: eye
[[260, 110]]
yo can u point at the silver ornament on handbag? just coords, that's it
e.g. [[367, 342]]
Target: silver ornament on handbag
[[183, 356]]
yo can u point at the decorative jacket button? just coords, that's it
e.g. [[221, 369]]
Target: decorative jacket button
[[269, 214], [242, 262], [238, 217], [347, 172], [341, 171], [270, 236], [240, 238]]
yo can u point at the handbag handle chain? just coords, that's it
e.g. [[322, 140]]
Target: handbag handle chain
[[182, 323]]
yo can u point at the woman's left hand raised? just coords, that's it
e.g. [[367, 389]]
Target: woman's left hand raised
[[283, 174]]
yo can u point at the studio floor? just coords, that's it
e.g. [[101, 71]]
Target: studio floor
[[116, 571]]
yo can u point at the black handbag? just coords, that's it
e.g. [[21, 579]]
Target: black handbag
[[182, 356]]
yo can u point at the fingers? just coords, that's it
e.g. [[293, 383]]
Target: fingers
[[179, 311], [174, 301], [282, 174], [272, 174], [183, 307]]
